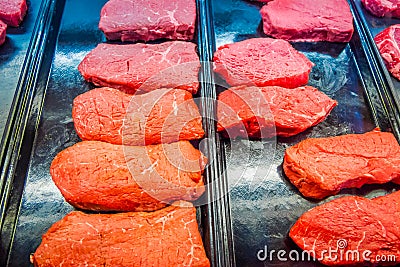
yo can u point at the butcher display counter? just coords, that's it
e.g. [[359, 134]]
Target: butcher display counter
[[251, 205]]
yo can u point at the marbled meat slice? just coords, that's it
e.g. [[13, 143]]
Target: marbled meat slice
[[388, 42], [352, 231], [161, 116], [12, 12], [167, 237], [143, 67], [3, 30], [133, 20], [308, 20], [320, 167], [265, 111], [262, 62], [380, 8], [99, 176]]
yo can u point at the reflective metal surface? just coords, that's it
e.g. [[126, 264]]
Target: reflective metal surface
[[264, 204], [12, 56], [261, 203]]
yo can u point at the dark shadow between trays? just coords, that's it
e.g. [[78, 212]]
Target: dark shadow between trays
[[7, 51]]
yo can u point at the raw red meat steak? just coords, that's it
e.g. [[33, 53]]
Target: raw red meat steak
[[167, 237], [265, 111], [99, 176], [388, 42], [143, 67], [382, 8], [133, 20], [12, 11], [360, 229], [262, 62], [3, 30], [321, 167], [308, 20], [161, 116]]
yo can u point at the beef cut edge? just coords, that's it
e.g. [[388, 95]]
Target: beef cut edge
[[133, 20], [12, 12], [262, 62], [320, 167], [167, 237], [141, 68], [388, 43], [99, 176], [308, 20], [3, 30], [380, 8], [263, 112], [357, 231], [161, 116]]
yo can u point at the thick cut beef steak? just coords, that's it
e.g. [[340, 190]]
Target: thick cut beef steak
[[12, 11], [133, 20], [382, 8], [352, 231], [143, 67], [3, 29], [308, 20], [265, 111], [262, 62], [388, 42], [320, 167], [99, 176], [161, 116], [167, 237]]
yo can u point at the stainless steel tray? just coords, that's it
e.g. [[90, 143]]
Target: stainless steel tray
[[264, 204], [251, 211]]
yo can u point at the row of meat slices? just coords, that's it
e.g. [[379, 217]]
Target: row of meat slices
[[137, 160], [169, 168], [12, 13], [306, 20], [321, 167], [177, 67]]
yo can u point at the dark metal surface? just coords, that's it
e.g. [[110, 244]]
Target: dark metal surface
[[371, 26], [216, 214], [12, 56], [21, 125], [42, 204], [264, 204]]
